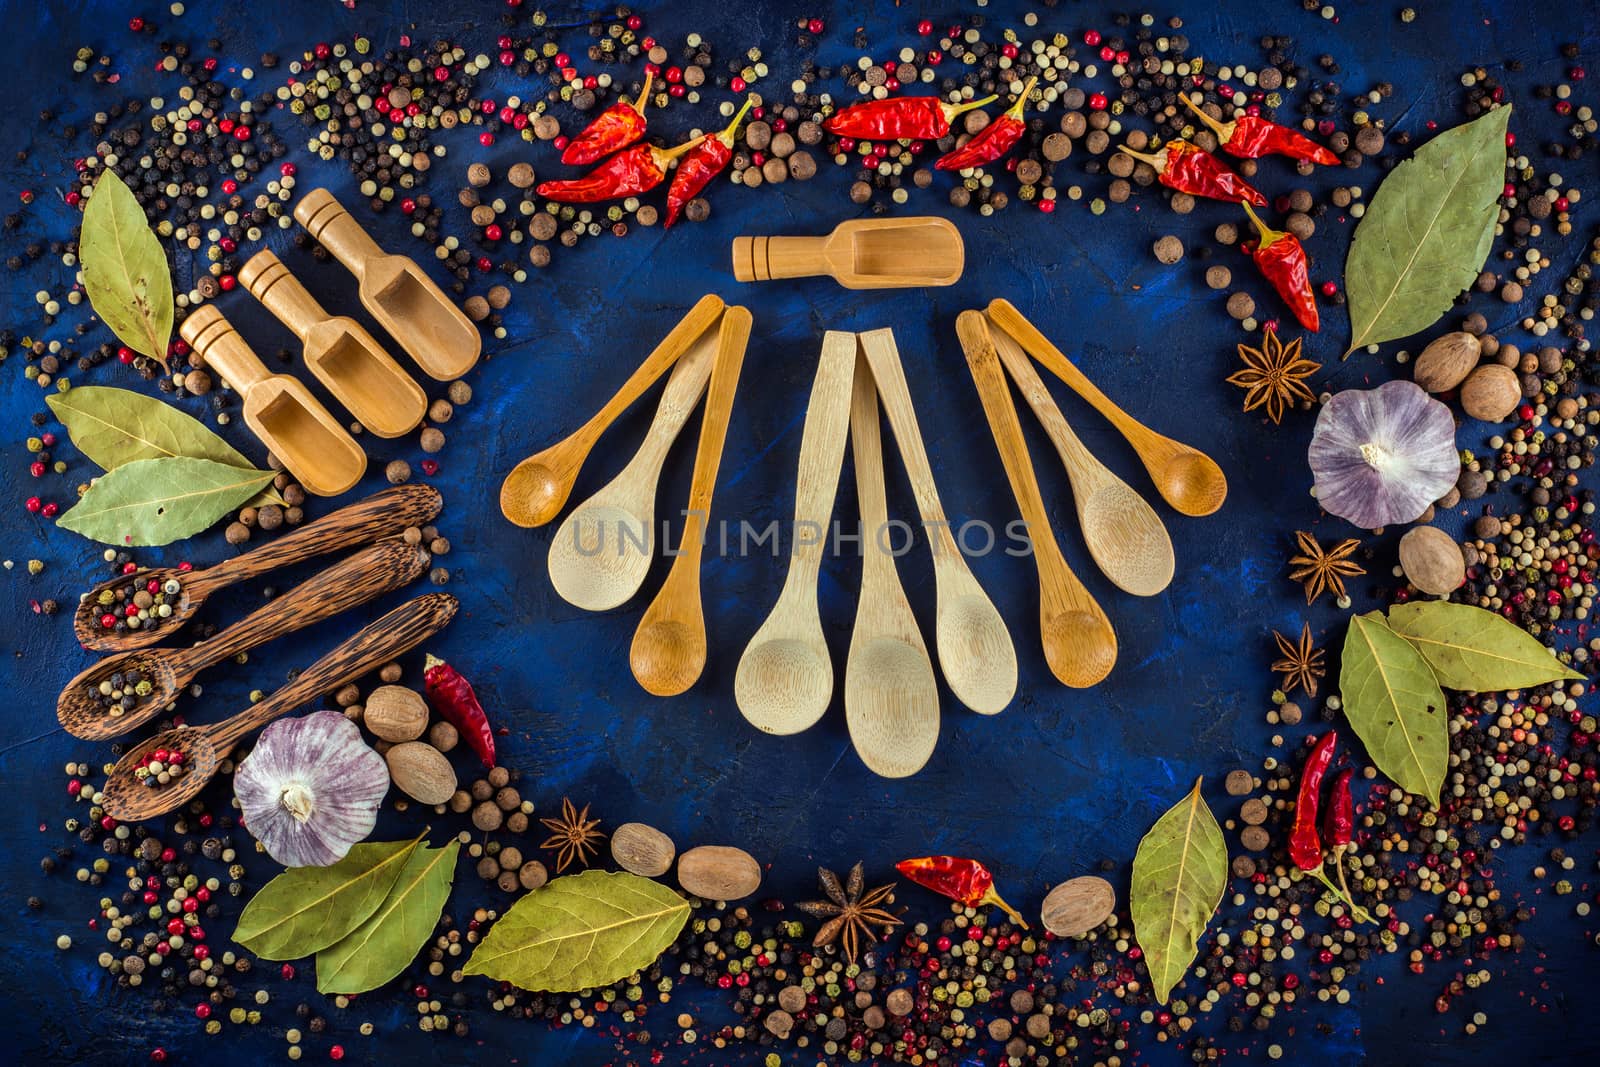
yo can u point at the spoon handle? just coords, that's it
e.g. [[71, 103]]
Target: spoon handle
[[731, 342], [685, 386], [866, 448], [281, 293], [822, 453], [375, 644], [1081, 464]]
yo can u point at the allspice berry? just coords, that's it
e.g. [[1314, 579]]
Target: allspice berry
[[1491, 392], [398, 472], [1432, 560], [1168, 250]]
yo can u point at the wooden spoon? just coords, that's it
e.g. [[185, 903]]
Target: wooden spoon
[[785, 677], [891, 698], [669, 647], [1187, 478], [601, 553], [886, 253], [405, 301], [975, 649], [381, 515], [362, 577], [536, 488], [1079, 643], [205, 747], [1123, 532], [339, 351]]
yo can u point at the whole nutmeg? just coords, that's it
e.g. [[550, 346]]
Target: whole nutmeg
[[1491, 392], [421, 772], [1432, 560], [396, 713], [642, 850], [1447, 361], [718, 872]]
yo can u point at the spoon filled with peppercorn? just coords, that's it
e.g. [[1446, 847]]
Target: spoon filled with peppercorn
[[133, 791], [127, 690], [114, 617]]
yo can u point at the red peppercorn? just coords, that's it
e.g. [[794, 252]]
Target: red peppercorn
[[336, 1052], [492, 232], [738, 84], [36, 468], [49, 510], [34, 504], [202, 1010], [1097, 102], [816, 26], [486, 138], [287, 972], [158, 1055], [925, 27]]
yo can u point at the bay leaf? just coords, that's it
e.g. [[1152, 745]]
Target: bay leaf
[[158, 501], [1179, 873], [125, 269], [306, 909], [1475, 650], [1394, 703], [390, 938], [1427, 232], [580, 932]]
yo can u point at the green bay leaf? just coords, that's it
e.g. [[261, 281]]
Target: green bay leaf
[[1394, 703], [390, 938], [124, 268], [1179, 873], [1427, 232], [581, 932], [158, 501], [306, 909], [1475, 650]]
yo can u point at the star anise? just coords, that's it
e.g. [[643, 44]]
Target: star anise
[[1324, 570], [573, 835], [1301, 662], [1274, 375], [852, 912]]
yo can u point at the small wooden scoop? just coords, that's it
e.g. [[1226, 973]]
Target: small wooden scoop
[[368, 574], [859, 254], [279, 409], [381, 515], [404, 300], [205, 747], [339, 351]]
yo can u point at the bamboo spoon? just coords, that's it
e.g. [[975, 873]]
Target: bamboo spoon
[[1187, 478], [381, 515], [404, 300], [785, 677], [975, 649], [891, 698], [279, 410], [362, 577], [341, 353], [1079, 644], [604, 575], [859, 254], [535, 490], [204, 747], [669, 647], [1123, 532]]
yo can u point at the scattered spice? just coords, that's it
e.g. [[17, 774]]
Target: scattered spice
[[451, 695], [1324, 570], [1188, 168], [160, 768], [1300, 662], [852, 912], [1274, 375], [1282, 261], [966, 881], [574, 836]]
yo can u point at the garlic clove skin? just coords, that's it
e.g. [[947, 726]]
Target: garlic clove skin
[[1381, 456]]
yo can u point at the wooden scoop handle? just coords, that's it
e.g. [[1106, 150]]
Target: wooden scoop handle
[[215, 341], [762, 259], [326, 220], [375, 644], [281, 293]]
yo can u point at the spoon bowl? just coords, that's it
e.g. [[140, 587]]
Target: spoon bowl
[[81, 712], [976, 652], [1126, 539], [784, 684], [535, 490], [1079, 646], [667, 656], [86, 620], [600, 555], [1192, 482], [126, 798], [891, 701]]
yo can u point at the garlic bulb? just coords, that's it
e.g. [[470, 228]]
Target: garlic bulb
[[1381, 456]]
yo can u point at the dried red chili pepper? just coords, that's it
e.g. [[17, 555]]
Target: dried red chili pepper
[[628, 173], [615, 128], [1338, 830], [966, 881], [894, 118], [1282, 261], [700, 166], [1188, 168], [1305, 844], [1252, 137], [994, 140], [452, 697]]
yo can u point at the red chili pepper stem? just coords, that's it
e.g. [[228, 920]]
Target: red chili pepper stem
[[952, 110], [644, 94], [1158, 162], [991, 897], [1269, 236], [1223, 130], [726, 136], [1015, 110]]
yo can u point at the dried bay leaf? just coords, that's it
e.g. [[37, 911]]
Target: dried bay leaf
[[124, 268], [1476, 650], [1394, 703], [390, 938], [306, 909], [158, 501], [1179, 873], [581, 932], [1427, 232]]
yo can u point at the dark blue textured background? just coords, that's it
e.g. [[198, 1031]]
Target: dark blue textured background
[[1060, 781]]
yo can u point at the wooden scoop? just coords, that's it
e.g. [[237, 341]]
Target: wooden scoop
[[205, 747], [404, 300], [536, 488], [279, 410], [381, 515], [1079, 643], [859, 254], [339, 351], [1186, 478], [669, 647], [785, 678], [362, 577]]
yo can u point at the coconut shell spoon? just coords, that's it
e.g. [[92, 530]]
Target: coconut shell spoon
[[370, 573], [1186, 478], [1079, 644], [205, 747], [380, 515], [669, 647]]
